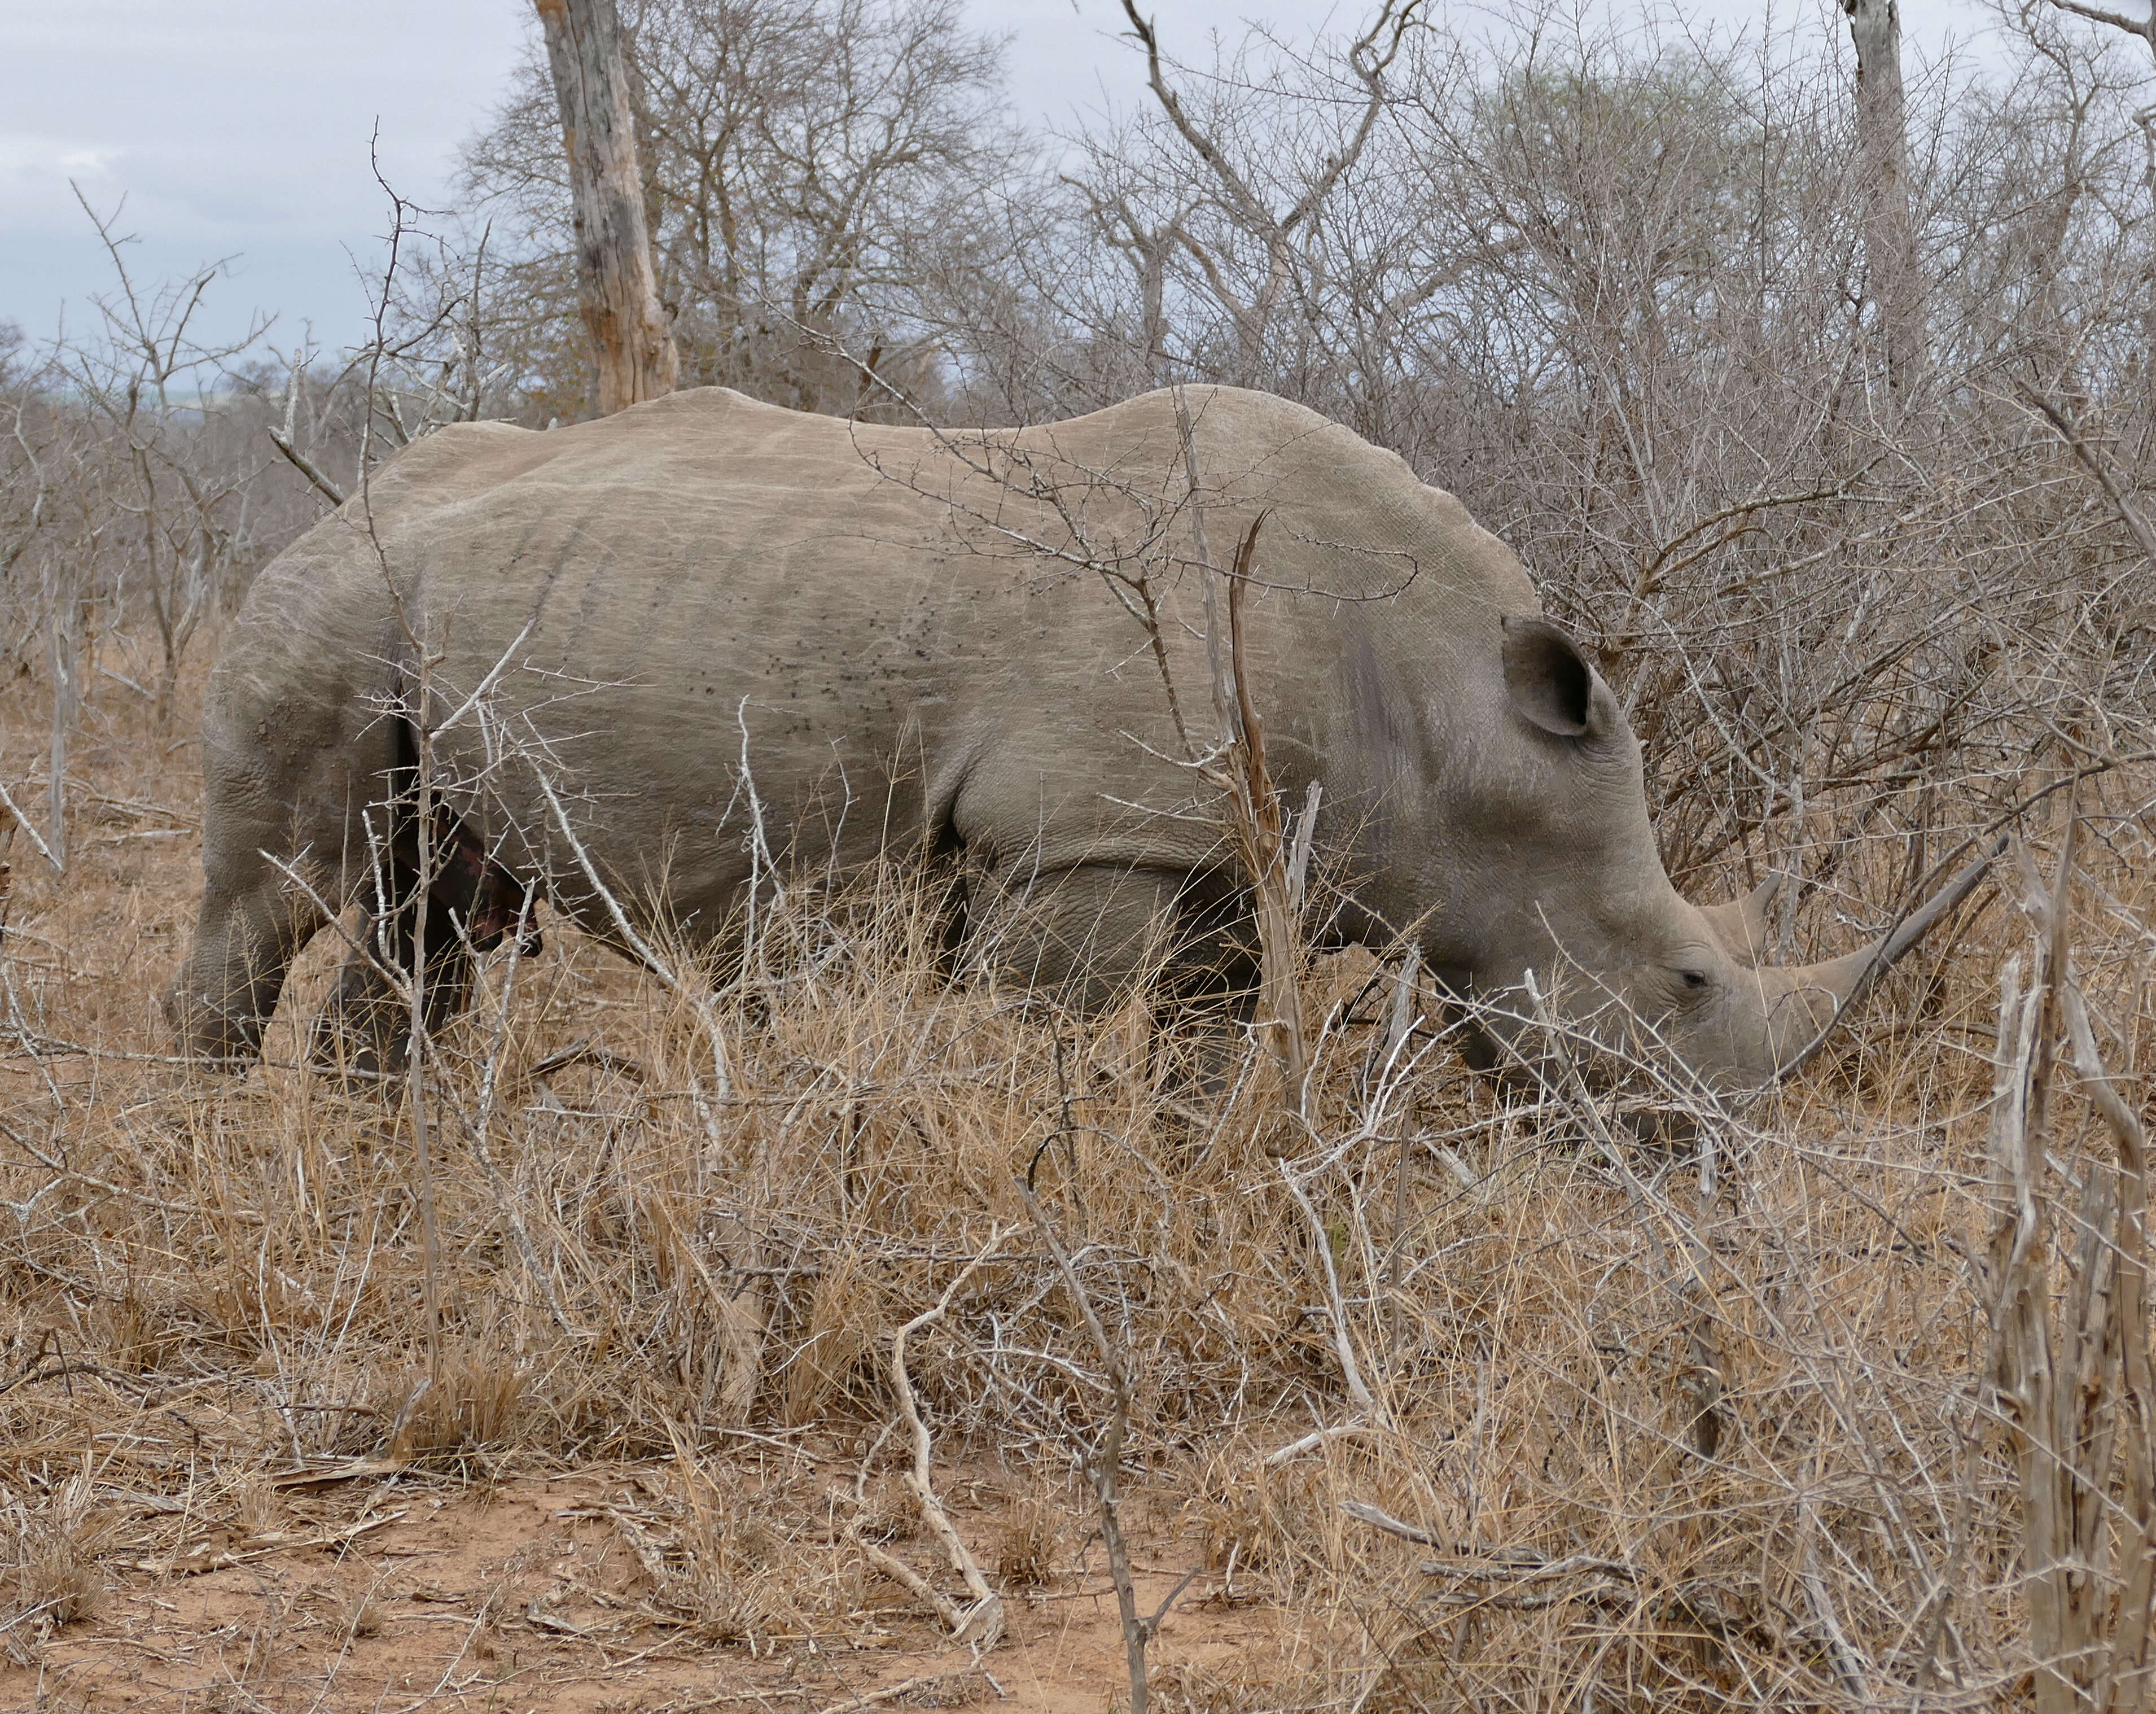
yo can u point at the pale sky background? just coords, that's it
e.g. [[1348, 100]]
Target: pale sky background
[[239, 128]]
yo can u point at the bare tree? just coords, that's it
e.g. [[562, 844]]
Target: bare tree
[[818, 174], [150, 382], [1252, 291], [2143, 28], [1882, 141], [631, 346]]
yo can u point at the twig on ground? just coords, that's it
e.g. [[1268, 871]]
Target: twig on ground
[[884, 1693], [981, 1623]]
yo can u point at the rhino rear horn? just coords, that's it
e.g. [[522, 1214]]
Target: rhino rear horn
[[1744, 926], [1551, 681]]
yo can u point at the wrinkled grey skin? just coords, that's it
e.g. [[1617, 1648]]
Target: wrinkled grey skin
[[913, 653]]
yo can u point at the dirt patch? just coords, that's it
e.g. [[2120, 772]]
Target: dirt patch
[[572, 1592]]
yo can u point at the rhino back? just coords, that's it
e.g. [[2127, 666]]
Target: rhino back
[[904, 634], [694, 586]]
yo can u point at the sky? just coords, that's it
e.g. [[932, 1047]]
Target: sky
[[240, 129]]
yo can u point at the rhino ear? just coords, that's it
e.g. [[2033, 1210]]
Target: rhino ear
[[1550, 681]]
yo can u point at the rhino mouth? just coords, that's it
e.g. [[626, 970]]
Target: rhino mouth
[[1530, 1040]]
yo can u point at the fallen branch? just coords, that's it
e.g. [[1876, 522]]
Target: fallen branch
[[1502, 1567], [357, 1469], [869, 1699], [259, 1547], [37, 838], [1315, 1439], [981, 1623], [1364, 1513]]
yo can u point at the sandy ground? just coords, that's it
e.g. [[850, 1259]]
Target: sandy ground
[[533, 1594]]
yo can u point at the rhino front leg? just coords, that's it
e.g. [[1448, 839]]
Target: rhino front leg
[[1090, 932], [364, 1030]]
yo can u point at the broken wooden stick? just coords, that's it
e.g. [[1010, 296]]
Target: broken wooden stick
[[980, 1623]]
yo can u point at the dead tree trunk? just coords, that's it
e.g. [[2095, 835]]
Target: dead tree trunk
[[1882, 146], [632, 349]]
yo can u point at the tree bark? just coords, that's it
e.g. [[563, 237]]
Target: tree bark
[[1882, 144], [632, 349]]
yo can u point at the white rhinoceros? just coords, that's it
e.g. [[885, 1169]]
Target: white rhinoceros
[[915, 642]]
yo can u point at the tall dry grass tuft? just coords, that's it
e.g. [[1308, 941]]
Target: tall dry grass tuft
[[1636, 1430], [50, 1546]]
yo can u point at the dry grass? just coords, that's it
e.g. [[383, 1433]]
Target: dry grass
[[1680, 1445]]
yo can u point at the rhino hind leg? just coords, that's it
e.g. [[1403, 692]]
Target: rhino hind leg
[[251, 928], [364, 1030]]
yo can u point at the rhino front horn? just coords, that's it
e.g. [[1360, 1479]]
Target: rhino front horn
[[1804, 1002]]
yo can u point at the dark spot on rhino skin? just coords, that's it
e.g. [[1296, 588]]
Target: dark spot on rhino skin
[[1378, 721]]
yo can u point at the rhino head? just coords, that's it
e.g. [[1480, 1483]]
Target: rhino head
[[1560, 912]]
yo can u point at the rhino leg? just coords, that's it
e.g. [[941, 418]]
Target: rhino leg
[[1093, 933], [266, 888], [1096, 932], [252, 926], [1090, 932], [364, 1029]]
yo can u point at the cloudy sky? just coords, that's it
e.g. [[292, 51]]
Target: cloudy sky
[[240, 128]]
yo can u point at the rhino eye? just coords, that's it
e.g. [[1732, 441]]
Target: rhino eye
[[1693, 980]]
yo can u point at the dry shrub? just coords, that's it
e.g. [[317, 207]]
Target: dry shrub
[[890, 1515], [1243, 1687], [1252, 1519], [721, 1594], [254, 1507], [1029, 1543], [720, 1554], [834, 1367], [966, 1689], [473, 1406], [361, 1608], [1552, 1327]]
